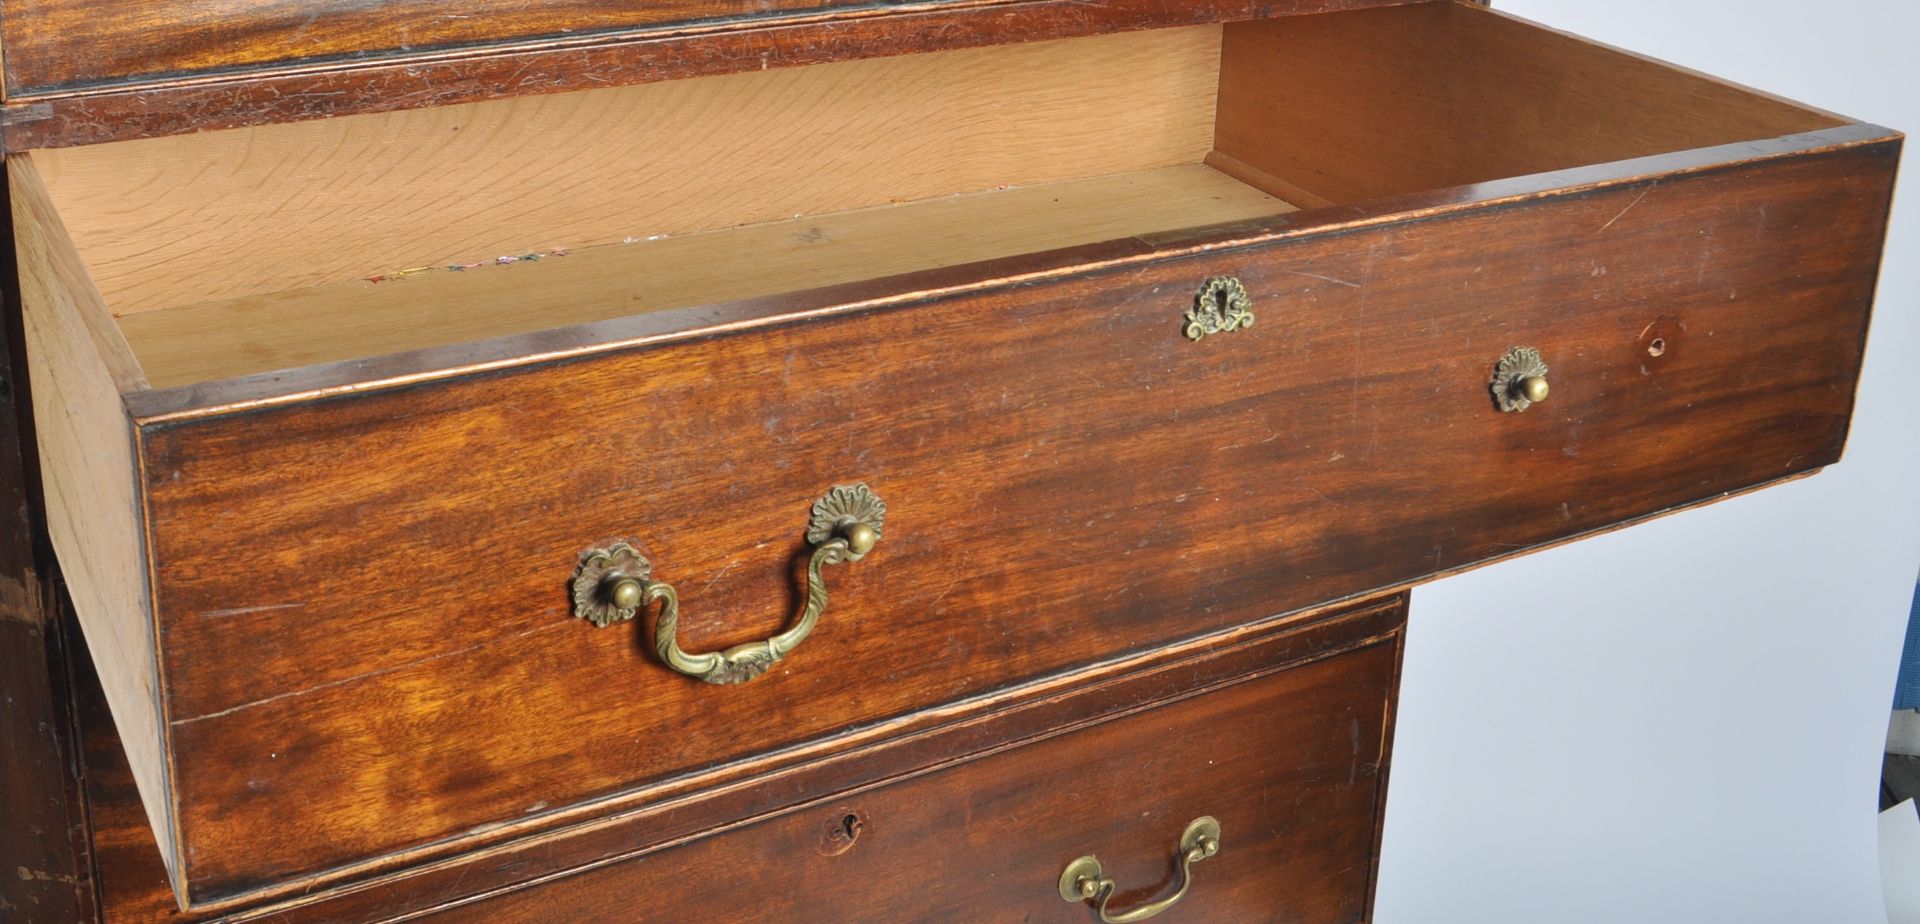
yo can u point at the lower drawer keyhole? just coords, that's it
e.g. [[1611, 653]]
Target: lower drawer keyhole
[[841, 833]]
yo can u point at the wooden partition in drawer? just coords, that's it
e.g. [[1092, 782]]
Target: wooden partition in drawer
[[331, 601]]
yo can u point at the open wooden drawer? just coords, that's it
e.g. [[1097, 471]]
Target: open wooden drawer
[[332, 413]]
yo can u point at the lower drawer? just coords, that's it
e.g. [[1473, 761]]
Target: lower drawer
[[1289, 764], [1280, 731]]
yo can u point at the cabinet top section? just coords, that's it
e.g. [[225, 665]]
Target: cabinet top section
[[88, 71]]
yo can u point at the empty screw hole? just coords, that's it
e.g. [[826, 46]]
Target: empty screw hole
[[1657, 347]]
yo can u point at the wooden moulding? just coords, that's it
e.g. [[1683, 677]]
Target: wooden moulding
[[133, 888], [88, 72], [1292, 763]]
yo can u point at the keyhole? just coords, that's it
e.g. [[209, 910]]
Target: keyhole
[[841, 833]]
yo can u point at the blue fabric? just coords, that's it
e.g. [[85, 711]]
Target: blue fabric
[[1906, 690]]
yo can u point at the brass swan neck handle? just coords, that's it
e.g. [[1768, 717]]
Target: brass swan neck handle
[[615, 583], [1084, 880]]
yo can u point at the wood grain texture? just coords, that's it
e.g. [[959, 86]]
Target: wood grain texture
[[265, 333], [35, 118], [1051, 418], [43, 821], [1290, 765], [177, 221], [133, 886], [308, 383], [1063, 469], [45, 870], [148, 40], [80, 367], [1375, 103]]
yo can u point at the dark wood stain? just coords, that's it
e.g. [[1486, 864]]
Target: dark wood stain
[[1064, 471], [1101, 607], [134, 886], [162, 69], [45, 870], [1290, 765]]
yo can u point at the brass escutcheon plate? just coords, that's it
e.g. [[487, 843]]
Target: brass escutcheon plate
[[1222, 306]]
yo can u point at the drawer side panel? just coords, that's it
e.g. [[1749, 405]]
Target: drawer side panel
[[79, 368], [1389, 102], [1067, 477]]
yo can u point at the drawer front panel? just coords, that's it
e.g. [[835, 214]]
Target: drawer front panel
[[133, 885], [1291, 765], [391, 659]]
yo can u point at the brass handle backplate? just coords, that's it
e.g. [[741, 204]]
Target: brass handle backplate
[[1519, 380], [1084, 880], [615, 583]]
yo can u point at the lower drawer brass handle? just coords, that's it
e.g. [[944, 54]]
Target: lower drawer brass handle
[[615, 583], [1082, 881]]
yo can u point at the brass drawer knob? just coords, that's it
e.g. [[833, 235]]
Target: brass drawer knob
[[615, 583], [1084, 881], [1519, 380]]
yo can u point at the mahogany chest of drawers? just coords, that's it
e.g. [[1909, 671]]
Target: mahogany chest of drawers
[[816, 461]]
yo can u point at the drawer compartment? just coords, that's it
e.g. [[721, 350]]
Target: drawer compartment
[[1291, 765], [330, 413]]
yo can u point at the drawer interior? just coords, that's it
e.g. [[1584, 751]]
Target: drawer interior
[[247, 251], [302, 519]]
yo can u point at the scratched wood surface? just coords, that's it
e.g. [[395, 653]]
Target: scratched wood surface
[[1064, 471], [251, 214], [44, 867], [361, 318], [87, 71], [169, 222], [133, 886], [1291, 766], [1101, 491]]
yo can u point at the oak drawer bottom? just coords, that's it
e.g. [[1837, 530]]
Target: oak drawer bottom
[[1292, 764]]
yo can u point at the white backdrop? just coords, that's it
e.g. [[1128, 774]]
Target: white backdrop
[[1683, 721]]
